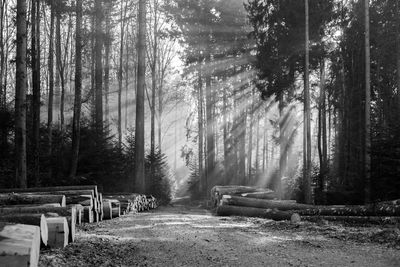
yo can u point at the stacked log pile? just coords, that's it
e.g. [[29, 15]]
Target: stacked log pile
[[257, 202], [47, 217]]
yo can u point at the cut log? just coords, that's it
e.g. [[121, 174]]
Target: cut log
[[88, 216], [19, 245], [79, 212], [30, 219], [355, 219], [107, 210], [225, 210], [263, 203], [18, 199], [115, 207], [58, 232], [261, 195], [17, 208], [101, 206], [116, 212], [218, 191], [84, 200], [50, 189], [62, 192]]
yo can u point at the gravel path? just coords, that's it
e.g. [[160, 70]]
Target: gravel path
[[188, 236]]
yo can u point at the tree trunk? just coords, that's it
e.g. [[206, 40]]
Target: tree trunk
[[154, 83], [2, 54], [16, 199], [121, 54], [263, 203], [282, 147], [20, 244], [98, 69], [367, 142], [20, 95], [139, 136], [58, 232], [307, 117], [256, 212], [226, 129], [51, 90], [35, 64], [250, 146], [202, 182], [107, 45], [354, 219], [78, 91], [29, 219], [257, 145], [322, 130], [210, 157]]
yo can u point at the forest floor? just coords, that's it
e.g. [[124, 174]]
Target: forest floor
[[187, 235]]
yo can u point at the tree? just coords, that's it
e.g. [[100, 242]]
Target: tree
[[51, 86], [307, 116], [20, 95], [98, 11], [367, 145], [76, 127], [35, 65], [141, 72]]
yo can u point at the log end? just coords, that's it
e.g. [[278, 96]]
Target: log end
[[295, 218]]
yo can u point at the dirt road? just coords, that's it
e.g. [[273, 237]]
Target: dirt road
[[187, 236]]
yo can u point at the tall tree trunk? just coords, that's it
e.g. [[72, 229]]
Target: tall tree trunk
[[250, 146], [36, 88], [324, 168], [307, 116], [99, 69], [225, 133], [127, 85], [210, 128], [202, 183], [20, 95], [51, 89], [58, 62], [78, 87], [282, 146], [160, 107], [242, 142], [2, 54], [154, 82], [121, 56], [265, 143], [139, 136], [367, 149], [257, 145], [107, 45]]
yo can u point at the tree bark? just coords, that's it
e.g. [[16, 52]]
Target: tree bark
[[263, 203], [19, 244], [98, 68], [120, 69], [15, 199], [307, 117], [202, 182], [78, 91], [35, 64], [107, 45], [139, 136], [256, 212], [210, 145], [367, 142], [51, 90], [28, 220], [154, 82], [20, 96]]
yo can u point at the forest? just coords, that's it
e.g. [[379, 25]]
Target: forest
[[173, 97]]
